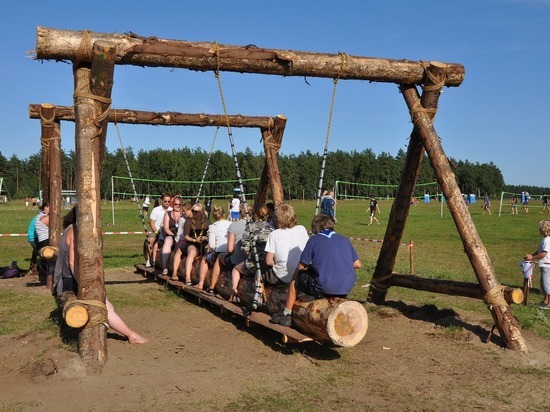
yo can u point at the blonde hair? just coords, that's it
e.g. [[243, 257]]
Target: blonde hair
[[218, 212], [544, 226], [285, 216]]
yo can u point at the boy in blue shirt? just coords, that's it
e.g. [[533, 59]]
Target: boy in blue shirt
[[327, 267]]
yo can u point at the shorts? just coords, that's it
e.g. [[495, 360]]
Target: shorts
[[145, 208], [235, 215], [271, 278], [545, 279], [306, 283]]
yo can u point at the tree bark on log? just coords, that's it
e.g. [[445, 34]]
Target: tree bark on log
[[92, 92], [473, 245], [129, 116], [47, 122], [271, 176], [55, 44], [55, 185], [449, 287], [341, 321], [402, 203]]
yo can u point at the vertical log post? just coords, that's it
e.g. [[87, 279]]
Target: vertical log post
[[47, 123], [271, 176], [93, 84], [56, 201], [473, 245], [400, 209]]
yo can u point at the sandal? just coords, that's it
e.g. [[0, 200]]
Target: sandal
[[175, 278], [188, 283], [209, 291]]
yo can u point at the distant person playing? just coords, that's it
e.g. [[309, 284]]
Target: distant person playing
[[514, 205], [145, 206], [67, 277], [542, 254], [545, 206], [373, 209], [327, 268], [328, 203], [234, 207], [525, 201], [486, 204]]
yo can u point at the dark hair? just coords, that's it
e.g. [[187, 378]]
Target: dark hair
[[70, 218], [45, 203]]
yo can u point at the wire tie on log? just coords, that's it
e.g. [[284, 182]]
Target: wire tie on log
[[495, 297]]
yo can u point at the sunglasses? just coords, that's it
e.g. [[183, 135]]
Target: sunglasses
[[195, 211], [177, 204], [166, 201]]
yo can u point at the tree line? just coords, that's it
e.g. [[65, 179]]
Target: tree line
[[299, 173]]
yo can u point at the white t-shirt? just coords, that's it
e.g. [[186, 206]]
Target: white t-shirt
[[157, 215], [235, 204], [544, 246], [287, 245], [217, 235]]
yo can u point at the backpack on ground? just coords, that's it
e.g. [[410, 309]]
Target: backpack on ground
[[11, 271]]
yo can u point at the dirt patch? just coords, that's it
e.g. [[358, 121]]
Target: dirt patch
[[412, 358]]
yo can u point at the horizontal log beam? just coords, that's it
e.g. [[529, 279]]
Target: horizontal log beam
[[449, 287], [165, 118], [56, 44]]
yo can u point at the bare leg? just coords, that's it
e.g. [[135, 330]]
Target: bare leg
[[292, 294], [191, 254], [202, 273], [117, 324], [216, 269], [235, 277], [177, 260]]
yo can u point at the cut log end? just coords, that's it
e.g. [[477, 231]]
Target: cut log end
[[347, 325], [76, 315]]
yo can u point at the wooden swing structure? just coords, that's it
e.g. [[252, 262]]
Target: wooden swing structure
[[95, 55]]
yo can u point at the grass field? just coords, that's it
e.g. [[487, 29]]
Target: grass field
[[437, 253]]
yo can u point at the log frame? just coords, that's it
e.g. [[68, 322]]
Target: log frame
[[56, 44]]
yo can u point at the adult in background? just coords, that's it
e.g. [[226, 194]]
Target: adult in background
[[486, 204], [155, 222], [235, 253], [327, 267], [195, 232], [67, 277], [328, 203], [170, 228], [217, 243], [542, 254]]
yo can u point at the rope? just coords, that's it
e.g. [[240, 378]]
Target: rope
[[343, 57], [97, 319], [138, 203], [495, 297], [207, 163], [258, 300]]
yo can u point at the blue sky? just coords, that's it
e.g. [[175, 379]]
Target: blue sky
[[499, 114]]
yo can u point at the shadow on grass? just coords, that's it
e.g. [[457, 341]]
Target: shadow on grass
[[444, 318]]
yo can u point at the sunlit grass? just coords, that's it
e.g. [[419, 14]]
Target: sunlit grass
[[437, 253]]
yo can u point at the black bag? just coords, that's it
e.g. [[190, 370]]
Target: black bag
[[11, 271]]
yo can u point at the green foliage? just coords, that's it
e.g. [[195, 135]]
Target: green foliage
[[299, 173]]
